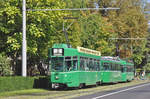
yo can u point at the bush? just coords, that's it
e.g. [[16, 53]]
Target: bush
[[20, 83], [5, 68]]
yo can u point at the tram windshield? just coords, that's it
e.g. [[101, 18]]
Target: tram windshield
[[57, 63]]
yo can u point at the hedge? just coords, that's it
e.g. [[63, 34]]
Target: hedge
[[20, 83]]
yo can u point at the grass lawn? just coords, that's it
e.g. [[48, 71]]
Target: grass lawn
[[21, 92]]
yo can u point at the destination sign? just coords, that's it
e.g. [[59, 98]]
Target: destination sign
[[89, 51]]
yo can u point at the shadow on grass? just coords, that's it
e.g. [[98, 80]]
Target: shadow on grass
[[42, 83]]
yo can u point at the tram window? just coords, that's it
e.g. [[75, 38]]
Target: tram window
[[122, 69], [57, 63], [49, 63], [119, 67], [91, 64], [82, 67], [98, 65], [130, 69], [75, 63], [86, 64], [68, 63], [75, 57], [113, 67], [116, 67], [127, 69], [106, 66], [95, 65]]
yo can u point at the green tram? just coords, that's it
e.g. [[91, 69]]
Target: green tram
[[79, 67], [114, 70], [71, 67]]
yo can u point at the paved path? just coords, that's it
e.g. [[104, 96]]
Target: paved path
[[135, 92]]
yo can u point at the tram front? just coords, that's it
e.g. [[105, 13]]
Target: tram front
[[62, 67]]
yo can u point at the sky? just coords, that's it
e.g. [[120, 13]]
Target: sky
[[148, 0]]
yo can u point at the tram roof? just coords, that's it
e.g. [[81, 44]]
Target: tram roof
[[110, 58]]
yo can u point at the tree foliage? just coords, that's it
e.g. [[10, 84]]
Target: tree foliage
[[5, 68], [128, 22], [96, 33]]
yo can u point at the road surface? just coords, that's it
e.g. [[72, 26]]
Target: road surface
[[135, 92]]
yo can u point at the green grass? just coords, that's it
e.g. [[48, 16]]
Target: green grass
[[21, 92]]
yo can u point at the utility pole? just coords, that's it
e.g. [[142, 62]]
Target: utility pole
[[24, 50]]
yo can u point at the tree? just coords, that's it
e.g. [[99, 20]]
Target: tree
[[94, 29], [5, 68], [43, 30], [96, 32], [128, 22]]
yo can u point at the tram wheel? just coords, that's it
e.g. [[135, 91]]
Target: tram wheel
[[81, 85]]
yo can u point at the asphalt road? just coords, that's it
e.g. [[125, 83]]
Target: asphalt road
[[135, 92]]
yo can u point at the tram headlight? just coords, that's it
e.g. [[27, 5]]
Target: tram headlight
[[65, 75], [56, 77]]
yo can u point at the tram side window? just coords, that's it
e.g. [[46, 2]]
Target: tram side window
[[122, 68], [113, 67], [119, 67], [91, 65], [98, 65], [75, 63], [132, 69], [128, 69], [67, 63], [125, 69], [82, 64], [86, 64], [106, 66]]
